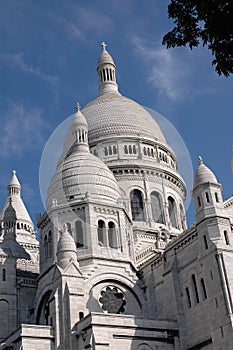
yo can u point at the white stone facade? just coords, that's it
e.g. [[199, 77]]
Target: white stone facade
[[116, 265]]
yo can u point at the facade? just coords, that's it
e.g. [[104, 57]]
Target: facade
[[116, 265]]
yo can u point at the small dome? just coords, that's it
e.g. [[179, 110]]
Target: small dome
[[203, 175], [66, 248], [79, 119], [105, 57], [82, 174], [113, 114]]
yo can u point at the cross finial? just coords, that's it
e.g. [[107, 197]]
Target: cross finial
[[14, 172], [78, 107], [103, 44]]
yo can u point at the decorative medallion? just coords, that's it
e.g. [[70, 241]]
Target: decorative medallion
[[112, 300]]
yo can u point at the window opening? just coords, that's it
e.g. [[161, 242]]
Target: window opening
[[137, 207], [188, 297], [156, 207], [101, 232], [226, 238], [195, 289], [207, 197], [4, 275], [172, 211], [79, 234], [112, 238], [203, 289]]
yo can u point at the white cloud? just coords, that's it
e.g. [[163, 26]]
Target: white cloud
[[85, 23], [166, 72], [17, 60], [21, 129]]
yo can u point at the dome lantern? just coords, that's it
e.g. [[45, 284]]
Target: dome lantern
[[14, 185], [106, 70]]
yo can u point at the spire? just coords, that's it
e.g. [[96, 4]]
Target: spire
[[14, 185], [66, 248], [106, 69]]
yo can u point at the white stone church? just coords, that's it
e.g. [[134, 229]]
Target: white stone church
[[116, 266]]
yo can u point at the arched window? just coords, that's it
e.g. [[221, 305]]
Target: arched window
[[79, 236], [43, 315], [199, 201], [137, 208], [172, 211], [182, 217], [4, 275], [203, 289], [207, 197], [156, 207], [216, 197], [45, 247], [112, 237], [101, 233], [195, 290]]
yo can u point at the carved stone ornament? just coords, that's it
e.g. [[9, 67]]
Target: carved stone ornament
[[112, 300]]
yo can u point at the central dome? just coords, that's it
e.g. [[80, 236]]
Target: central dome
[[113, 114]]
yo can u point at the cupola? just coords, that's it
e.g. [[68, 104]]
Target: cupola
[[106, 69]]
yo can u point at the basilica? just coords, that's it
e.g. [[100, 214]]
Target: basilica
[[116, 265]]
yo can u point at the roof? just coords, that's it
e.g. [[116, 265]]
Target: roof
[[203, 175]]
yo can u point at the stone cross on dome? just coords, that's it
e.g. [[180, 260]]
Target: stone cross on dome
[[103, 44], [78, 107]]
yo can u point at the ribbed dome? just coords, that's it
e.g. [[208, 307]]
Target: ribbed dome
[[113, 114], [203, 175], [81, 174], [104, 58]]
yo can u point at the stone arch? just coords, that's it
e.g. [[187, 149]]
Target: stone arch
[[99, 282], [144, 346], [43, 311]]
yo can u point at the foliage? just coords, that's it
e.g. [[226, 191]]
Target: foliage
[[206, 21]]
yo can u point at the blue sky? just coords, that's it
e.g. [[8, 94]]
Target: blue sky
[[48, 56]]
